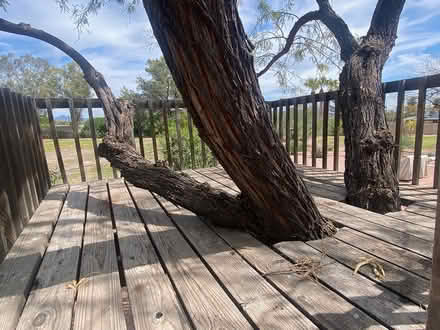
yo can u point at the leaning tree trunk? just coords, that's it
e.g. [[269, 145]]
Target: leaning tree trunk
[[210, 58], [370, 177]]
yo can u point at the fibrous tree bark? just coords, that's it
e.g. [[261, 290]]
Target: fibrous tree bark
[[210, 57], [370, 178]]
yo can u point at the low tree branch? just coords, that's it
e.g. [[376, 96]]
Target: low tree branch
[[115, 111]]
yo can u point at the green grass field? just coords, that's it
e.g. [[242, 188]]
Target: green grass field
[[70, 159]]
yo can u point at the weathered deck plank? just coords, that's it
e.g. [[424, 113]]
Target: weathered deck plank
[[257, 297], [394, 254], [50, 303], [154, 303], [325, 307], [206, 302], [385, 305], [98, 304], [18, 269], [399, 238], [397, 279]]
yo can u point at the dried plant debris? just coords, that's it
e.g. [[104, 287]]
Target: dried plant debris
[[74, 285], [376, 267], [305, 267]]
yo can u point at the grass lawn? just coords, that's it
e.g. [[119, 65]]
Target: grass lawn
[[70, 158]]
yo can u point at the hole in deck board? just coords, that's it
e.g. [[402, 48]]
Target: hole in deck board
[[39, 319], [158, 315]]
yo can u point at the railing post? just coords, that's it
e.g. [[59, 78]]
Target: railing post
[[167, 134], [288, 103], [94, 142], [304, 142], [53, 132], [74, 122], [325, 131], [153, 134], [280, 120], [314, 128], [336, 133], [399, 109], [419, 132], [295, 131], [191, 140]]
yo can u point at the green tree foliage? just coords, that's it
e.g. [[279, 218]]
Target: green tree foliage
[[99, 128], [313, 42], [161, 85], [321, 82]]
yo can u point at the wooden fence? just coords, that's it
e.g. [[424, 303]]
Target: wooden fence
[[164, 109], [288, 128], [24, 175]]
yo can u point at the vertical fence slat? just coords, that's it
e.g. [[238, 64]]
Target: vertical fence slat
[[314, 128], [325, 131], [31, 135], [94, 142], [280, 120], [23, 130], [288, 103], [141, 143], [77, 142], [203, 154], [419, 132], [437, 158], [179, 138], [36, 120], [295, 132], [336, 134], [22, 176], [22, 146], [304, 139], [399, 109], [14, 197], [153, 135], [35, 138], [167, 134], [275, 117], [191, 140], [56, 144]]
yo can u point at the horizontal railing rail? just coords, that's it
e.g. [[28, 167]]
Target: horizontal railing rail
[[283, 108]]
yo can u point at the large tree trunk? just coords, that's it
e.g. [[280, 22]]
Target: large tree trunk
[[370, 178], [210, 57]]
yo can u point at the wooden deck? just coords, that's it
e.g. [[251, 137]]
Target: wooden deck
[[111, 256]]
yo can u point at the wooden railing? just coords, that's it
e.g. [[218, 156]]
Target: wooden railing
[[24, 175], [289, 130], [174, 159]]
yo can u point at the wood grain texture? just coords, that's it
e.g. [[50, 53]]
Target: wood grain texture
[[396, 279], [391, 253], [77, 142], [385, 305], [98, 304], [17, 272], [206, 302], [267, 308], [153, 300], [50, 303], [402, 239], [326, 308]]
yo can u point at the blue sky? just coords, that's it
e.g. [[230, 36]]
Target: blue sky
[[117, 44]]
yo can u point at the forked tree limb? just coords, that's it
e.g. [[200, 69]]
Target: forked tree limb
[[118, 114], [332, 21]]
